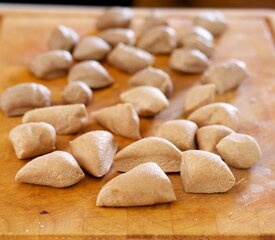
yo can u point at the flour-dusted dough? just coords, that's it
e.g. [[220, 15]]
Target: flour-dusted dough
[[20, 98], [150, 149], [66, 119], [143, 185], [209, 136], [189, 61], [91, 48], [205, 172], [32, 139], [58, 169], [216, 113], [153, 20], [226, 76], [154, 77], [63, 38], [159, 40], [199, 96], [94, 151], [214, 22], [121, 119], [114, 36], [179, 132], [92, 73], [147, 100], [239, 150], [51, 64], [77, 92], [130, 59], [115, 17]]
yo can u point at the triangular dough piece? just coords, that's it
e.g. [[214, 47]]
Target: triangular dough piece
[[150, 149], [153, 77], [147, 100], [179, 132], [121, 119], [94, 151], [209, 136], [205, 172], [57, 169], [216, 113], [145, 184], [199, 96]]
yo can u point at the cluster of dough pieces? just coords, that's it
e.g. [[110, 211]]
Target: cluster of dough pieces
[[209, 126]]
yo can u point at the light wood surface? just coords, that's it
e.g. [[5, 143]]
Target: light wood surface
[[245, 212]]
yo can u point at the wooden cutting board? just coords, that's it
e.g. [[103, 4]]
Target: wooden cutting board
[[245, 212]]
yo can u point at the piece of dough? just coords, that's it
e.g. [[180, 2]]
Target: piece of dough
[[159, 40], [189, 61], [199, 96], [20, 98], [63, 38], [51, 64], [145, 184], [115, 17], [92, 73], [66, 119], [94, 151], [150, 149], [32, 139], [205, 172], [91, 48], [154, 77], [130, 59], [121, 119], [226, 76], [147, 100], [179, 132], [209, 136], [58, 169], [239, 150], [214, 22], [216, 113], [77, 92], [114, 36]]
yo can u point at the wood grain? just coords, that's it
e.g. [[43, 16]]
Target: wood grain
[[245, 212]]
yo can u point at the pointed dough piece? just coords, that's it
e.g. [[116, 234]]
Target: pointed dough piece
[[189, 61], [32, 139], [114, 36], [226, 76], [92, 73], [205, 172], [179, 132], [198, 32], [57, 169], [216, 113], [199, 96], [209, 136], [94, 151], [91, 48], [115, 17], [130, 59], [121, 119], [159, 40], [153, 77], [147, 100], [145, 184], [66, 119], [150, 149], [214, 22], [63, 38], [239, 150], [153, 20]]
